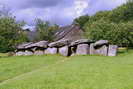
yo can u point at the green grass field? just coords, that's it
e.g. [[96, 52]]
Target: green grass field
[[57, 72]]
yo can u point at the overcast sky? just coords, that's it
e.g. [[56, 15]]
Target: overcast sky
[[61, 12]]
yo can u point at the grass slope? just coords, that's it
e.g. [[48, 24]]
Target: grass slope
[[14, 66], [78, 72]]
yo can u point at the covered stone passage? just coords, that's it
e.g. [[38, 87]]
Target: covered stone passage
[[69, 41], [68, 48]]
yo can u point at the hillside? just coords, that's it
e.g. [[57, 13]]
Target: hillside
[[77, 72]]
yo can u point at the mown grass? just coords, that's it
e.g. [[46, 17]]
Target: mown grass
[[3, 54], [78, 72], [14, 66]]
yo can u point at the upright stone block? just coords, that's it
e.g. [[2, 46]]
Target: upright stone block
[[103, 50], [92, 49], [28, 53], [51, 51], [82, 49], [64, 51], [39, 52], [20, 53], [112, 50]]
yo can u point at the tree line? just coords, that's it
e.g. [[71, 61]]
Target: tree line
[[12, 32], [115, 25]]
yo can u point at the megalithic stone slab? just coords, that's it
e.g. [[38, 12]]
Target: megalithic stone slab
[[59, 43], [81, 41], [51, 51], [39, 52], [20, 53], [103, 50], [82, 49], [101, 43], [112, 50], [28, 53], [92, 49], [64, 51]]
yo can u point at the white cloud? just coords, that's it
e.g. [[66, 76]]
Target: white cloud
[[99, 5], [62, 13], [62, 16], [80, 6]]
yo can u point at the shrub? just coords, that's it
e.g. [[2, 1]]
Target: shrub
[[10, 34]]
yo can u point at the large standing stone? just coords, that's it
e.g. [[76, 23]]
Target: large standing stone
[[51, 51], [92, 49], [64, 51], [82, 49], [112, 50], [20, 53], [103, 50], [39, 52], [11, 54], [28, 53]]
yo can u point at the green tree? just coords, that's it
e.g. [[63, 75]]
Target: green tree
[[116, 33], [10, 34], [115, 25], [45, 30], [123, 13], [82, 20]]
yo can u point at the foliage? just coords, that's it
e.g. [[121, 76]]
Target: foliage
[[10, 34], [115, 26], [81, 20], [123, 13], [119, 33], [44, 30]]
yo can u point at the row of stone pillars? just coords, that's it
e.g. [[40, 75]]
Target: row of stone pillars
[[71, 50]]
